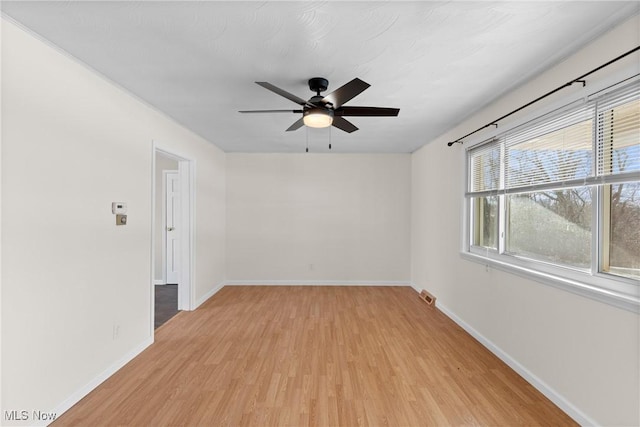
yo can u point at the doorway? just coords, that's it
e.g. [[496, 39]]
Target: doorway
[[172, 237]]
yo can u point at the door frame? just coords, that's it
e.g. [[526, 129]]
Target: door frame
[[186, 174]]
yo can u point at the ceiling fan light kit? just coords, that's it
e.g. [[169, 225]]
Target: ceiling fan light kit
[[317, 118], [321, 112]]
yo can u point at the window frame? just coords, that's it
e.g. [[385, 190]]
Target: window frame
[[593, 283]]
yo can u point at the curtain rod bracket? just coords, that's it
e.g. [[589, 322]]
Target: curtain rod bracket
[[584, 82], [454, 142]]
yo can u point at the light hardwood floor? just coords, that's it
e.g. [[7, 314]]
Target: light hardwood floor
[[298, 356]]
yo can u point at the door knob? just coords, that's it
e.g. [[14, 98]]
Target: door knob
[[170, 228]]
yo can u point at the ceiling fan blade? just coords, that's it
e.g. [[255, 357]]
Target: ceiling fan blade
[[344, 125], [367, 111], [346, 92], [270, 111], [296, 125], [282, 92]]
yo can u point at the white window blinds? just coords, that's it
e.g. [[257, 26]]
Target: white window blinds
[[555, 151], [484, 168], [558, 150], [618, 133]]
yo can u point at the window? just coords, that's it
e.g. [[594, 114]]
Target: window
[[560, 195], [485, 180]]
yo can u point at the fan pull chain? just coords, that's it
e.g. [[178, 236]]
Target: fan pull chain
[[329, 137], [307, 133]]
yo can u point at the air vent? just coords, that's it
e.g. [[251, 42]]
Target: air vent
[[428, 298]]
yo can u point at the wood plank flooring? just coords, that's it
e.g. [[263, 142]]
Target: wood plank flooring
[[307, 356]]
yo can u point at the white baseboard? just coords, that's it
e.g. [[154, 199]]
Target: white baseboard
[[209, 294], [314, 283], [559, 400], [91, 385], [159, 282]]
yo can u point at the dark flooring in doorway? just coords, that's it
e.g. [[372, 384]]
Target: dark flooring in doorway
[[166, 303]]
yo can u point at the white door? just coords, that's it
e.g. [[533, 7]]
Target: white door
[[172, 209]]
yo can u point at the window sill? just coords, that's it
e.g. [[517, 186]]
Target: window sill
[[617, 299]]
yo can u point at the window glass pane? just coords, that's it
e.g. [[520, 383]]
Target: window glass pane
[[553, 226], [623, 230], [485, 220]]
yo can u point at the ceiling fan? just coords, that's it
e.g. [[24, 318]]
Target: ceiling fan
[[320, 112]]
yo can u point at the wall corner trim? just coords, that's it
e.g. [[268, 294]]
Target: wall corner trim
[[415, 287], [204, 298], [100, 378], [559, 400]]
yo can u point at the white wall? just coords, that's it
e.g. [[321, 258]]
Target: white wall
[[71, 144], [163, 163], [318, 217], [585, 351]]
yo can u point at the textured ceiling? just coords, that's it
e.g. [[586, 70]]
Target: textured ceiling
[[439, 62]]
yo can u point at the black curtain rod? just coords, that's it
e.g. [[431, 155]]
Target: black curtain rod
[[576, 80]]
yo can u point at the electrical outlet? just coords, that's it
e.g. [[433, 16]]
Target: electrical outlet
[[116, 331], [311, 267]]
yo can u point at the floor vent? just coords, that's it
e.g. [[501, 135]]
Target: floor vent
[[427, 297]]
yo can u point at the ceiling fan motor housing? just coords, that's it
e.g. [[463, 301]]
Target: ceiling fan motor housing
[[318, 110], [317, 100]]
